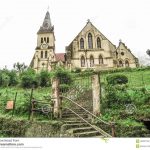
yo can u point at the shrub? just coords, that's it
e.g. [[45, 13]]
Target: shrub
[[64, 87], [8, 78], [117, 79], [5, 79], [44, 78], [29, 79], [77, 70], [116, 95], [63, 75], [13, 78], [13, 128], [130, 128], [65, 78]]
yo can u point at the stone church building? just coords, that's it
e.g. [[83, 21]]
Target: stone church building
[[90, 49]]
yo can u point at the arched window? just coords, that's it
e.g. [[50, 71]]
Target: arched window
[[127, 63], [115, 63], [81, 43], [91, 61], [120, 63], [41, 54], [101, 60], [90, 41], [82, 61], [98, 43], [45, 54], [41, 40], [47, 39]]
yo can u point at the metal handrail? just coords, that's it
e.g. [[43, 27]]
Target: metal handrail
[[111, 123], [96, 128]]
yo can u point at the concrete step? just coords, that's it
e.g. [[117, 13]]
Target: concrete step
[[76, 110], [80, 129], [73, 115], [66, 127], [72, 121], [87, 134], [75, 119], [73, 126], [100, 136]]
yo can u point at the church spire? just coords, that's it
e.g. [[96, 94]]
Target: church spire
[[46, 26]]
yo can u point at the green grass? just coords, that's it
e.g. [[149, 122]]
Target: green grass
[[136, 79], [22, 100]]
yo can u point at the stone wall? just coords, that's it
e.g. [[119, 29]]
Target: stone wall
[[23, 128]]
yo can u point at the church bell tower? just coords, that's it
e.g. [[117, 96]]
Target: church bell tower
[[45, 50]]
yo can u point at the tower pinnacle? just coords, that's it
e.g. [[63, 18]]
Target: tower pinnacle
[[46, 26]]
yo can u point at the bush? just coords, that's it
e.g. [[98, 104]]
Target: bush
[[116, 96], [44, 78], [29, 79], [8, 78], [77, 70], [63, 75], [4, 79], [13, 128], [13, 78], [117, 79], [130, 128], [65, 78], [64, 87]]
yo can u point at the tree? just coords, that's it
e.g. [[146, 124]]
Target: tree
[[148, 52], [19, 67]]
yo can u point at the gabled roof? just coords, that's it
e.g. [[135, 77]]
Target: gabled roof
[[103, 37], [60, 57], [123, 44]]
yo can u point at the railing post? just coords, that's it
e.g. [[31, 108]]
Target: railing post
[[56, 97], [30, 107], [96, 94], [113, 129]]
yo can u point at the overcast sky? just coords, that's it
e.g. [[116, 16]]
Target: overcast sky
[[20, 20]]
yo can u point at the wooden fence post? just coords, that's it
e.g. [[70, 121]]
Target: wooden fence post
[[14, 104], [30, 104]]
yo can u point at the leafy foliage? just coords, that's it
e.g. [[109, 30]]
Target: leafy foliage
[[20, 67], [14, 79], [44, 78], [116, 95], [63, 75], [117, 79], [77, 70], [65, 78], [8, 78], [29, 79]]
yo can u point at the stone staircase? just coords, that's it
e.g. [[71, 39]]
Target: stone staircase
[[76, 127]]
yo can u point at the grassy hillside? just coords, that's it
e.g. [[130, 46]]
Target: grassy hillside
[[114, 104], [136, 79], [22, 100]]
